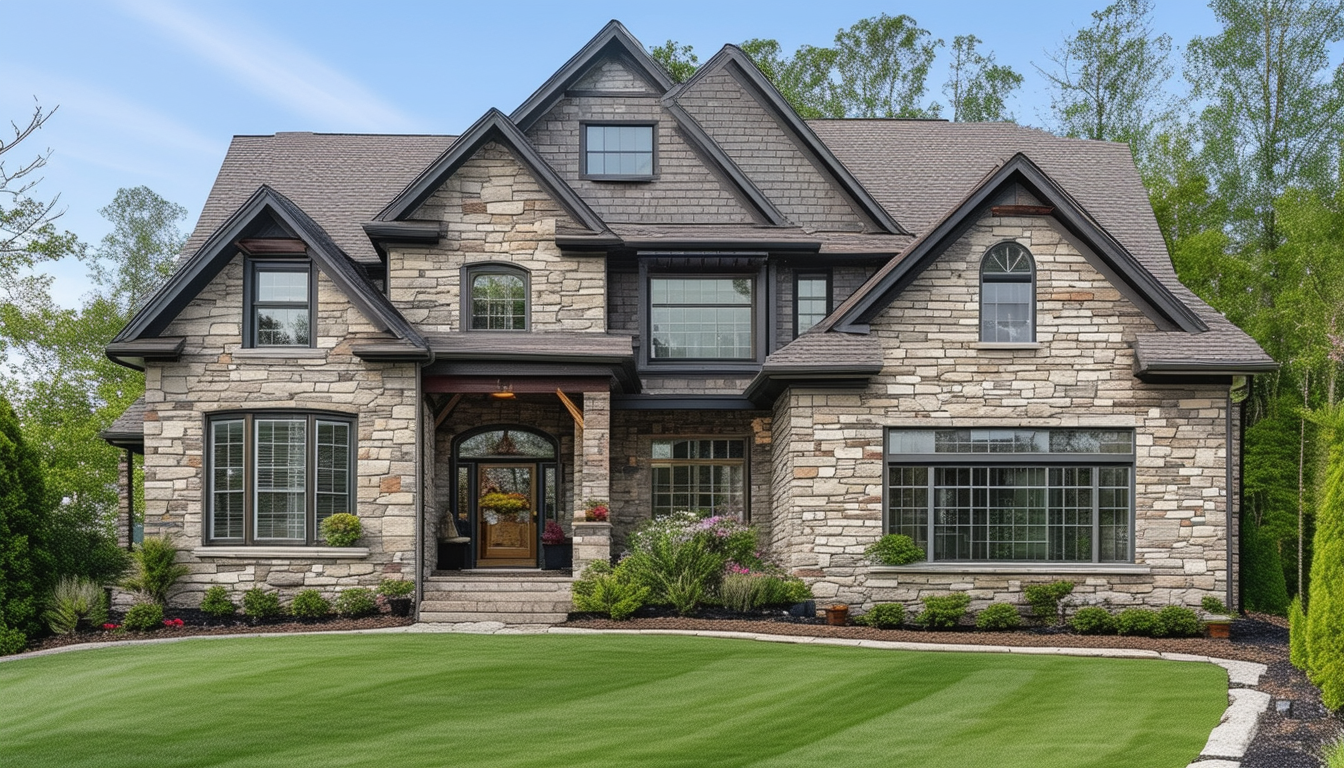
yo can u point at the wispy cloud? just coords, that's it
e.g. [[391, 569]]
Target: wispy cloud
[[275, 69]]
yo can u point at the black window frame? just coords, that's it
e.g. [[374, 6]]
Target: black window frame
[[744, 461], [584, 125], [759, 318], [252, 269], [811, 274], [1007, 278], [249, 418], [468, 277]]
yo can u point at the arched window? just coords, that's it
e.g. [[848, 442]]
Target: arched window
[[1007, 295], [497, 298]]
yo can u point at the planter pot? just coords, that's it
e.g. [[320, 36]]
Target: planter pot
[[804, 610], [556, 557], [1221, 630], [400, 606], [837, 615]]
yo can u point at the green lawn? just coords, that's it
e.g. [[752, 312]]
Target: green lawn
[[462, 700]]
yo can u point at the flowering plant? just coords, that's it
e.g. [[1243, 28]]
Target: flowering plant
[[504, 503], [554, 534], [598, 511], [173, 622], [109, 627]]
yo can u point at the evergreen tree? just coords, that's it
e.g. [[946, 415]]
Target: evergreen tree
[[25, 562], [1262, 584], [1325, 610]]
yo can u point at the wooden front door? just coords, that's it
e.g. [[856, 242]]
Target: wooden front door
[[506, 515]]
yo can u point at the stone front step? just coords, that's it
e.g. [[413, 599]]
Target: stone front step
[[505, 618], [527, 597]]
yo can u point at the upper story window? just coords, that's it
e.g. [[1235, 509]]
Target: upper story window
[[618, 150], [281, 301], [811, 300], [497, 298], [701, 318], [1007, 295]]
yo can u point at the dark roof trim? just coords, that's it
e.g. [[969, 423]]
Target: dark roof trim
[[392, 352], [614, 37], [131, 441], [409, 232], [198, 270], [703, 144], [493, 126], [747, 70], [1211, 367], [615, 243], [769, 383], [866, 303], [133, 354]]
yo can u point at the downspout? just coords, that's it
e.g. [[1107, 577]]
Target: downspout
[[1227, 499], [130, 499]]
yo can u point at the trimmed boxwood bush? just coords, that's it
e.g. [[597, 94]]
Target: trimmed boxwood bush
[[217, 603], [998, 617], [894, 549], [355, 602], [1093, 621], [1140, 622], [396, 588], [612, 591], [943, 612], [341, 530], [1179, 621], [143, 617], [1213, 605], [260, 604], [310, 604], [12, 641], [884, 616], [1044, 599]]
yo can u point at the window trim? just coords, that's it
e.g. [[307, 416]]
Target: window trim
[[980, 309], [1096, 461], [804, 274], [469, 272], [251, 267], [249, 418], [584, 125], [759, 324], [745, 462]]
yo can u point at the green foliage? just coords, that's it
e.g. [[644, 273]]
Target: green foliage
[[217, 603], [355, 602], [1141, 622], [143, 617], [943, 612], [978, 87], [602, 589], [796, 591], [998, 616], [1325, 631], [882, 64], [1263, 587], [894, 549], [25, 560], [310, 604], [678, 60], [156, 570], [681, 557], [396, 587], [1044, 599], [12, 641], [1333, 754], [804, 79], [1093, 620], [745, 591], [341, 530], [73, 602], [883, 616], [1179, 621], [258, 603], [1213, 605], [1297, 634]]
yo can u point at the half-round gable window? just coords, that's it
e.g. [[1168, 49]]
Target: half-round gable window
[[1007, 295], [498, 298]]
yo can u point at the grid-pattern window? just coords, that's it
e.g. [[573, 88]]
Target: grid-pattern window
[[281, 479], [618, 150], [281, 307], [983, 494], [811, 301], [702, 475], [227, 446], [1007, 295], [701, 318], [498, 301], [333, 469]]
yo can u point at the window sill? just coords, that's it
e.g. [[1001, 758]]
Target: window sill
[[1007, 345], [277, 353], [1026, 569], [284, 553]]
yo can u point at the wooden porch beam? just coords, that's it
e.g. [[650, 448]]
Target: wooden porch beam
[[445, 410], [571, 407]]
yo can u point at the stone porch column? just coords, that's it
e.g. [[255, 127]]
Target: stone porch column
[[592, 479]]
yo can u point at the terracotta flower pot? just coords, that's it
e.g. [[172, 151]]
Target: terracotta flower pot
[[837, 615], [1220, 630]]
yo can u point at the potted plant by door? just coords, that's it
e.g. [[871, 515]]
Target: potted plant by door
[[397, 593], [557, 549]]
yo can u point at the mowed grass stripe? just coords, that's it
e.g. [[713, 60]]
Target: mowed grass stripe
[[463, 700]]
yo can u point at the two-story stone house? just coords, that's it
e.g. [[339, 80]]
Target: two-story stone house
[[684, 296]]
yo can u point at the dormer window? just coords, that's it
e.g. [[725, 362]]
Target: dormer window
[[280, 304], [618, 151], [497, 298]]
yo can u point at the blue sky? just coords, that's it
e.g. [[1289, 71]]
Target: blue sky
[[150, 91]]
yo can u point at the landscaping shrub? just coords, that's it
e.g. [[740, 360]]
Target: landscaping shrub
[[1140, 622], [739, 590], [217, 603], [396, 588], [1093, 621], [1297, 634], [355, 602], [1044, 599], [1179, 621], [310, 604], [26, 562], [603, 589], [341, 530], [998, 616], [1213, 605], [12, 641], [884, 616], [894, 549], [260, 604], [1325, 630], [1333, 753], [943, 612], [1263, 588], [75, 600], [744, 590], [796, 591], [143, 617], [681, 558], [155, 569]]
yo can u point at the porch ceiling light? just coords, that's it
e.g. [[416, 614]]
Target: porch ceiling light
[[505, 392]]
